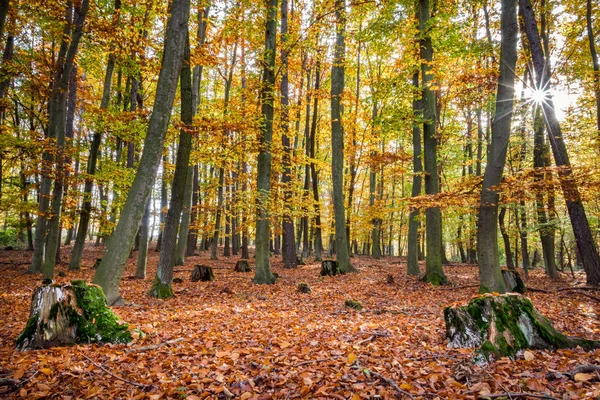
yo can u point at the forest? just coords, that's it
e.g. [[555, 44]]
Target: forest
[[352, 199]]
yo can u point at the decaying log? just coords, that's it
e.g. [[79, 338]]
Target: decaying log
[[202, 273], [501, 325], [67, 314]]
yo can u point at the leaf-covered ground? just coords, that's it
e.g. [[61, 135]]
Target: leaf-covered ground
[[233, 339]]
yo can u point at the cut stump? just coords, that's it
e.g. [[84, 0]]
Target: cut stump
[[330, 267], [304, 287], [202, 273], [63, 315], [242, 265], [513, 281], [501, 325]]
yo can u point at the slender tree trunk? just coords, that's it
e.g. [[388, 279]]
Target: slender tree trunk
[[263, 273], [510, 264], [57, 130], [109, 273], [434, 272], [412, 258], [490, 276], [289, 241], [163, 204], [342, 252], [313, 168], [581, 229], [162, 286]]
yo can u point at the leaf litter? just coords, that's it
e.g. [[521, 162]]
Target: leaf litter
[[232, 339]]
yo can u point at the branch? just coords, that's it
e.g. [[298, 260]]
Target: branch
[[518, 395], [143, 387], [585, 368], [153, 346]]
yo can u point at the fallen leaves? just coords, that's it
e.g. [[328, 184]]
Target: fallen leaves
[[262, 342]]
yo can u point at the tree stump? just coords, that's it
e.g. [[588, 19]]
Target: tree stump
[[330, 267], [502, 325], [63, 315], [300, 260], [513, 281], [202, 273], [304, 287], [242, 265]]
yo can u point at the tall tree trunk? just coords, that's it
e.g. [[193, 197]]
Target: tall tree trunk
[[109, 273], [289, 241], [581, 229], [412, 258], [163, 205], [490, 275], [162, 285], [510, 264], [342, 252], [434, 272], [57, 110], [263, 266]]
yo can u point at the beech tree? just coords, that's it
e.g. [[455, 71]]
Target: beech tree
[[110, 270]]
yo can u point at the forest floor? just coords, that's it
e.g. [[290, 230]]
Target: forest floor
[[233, 339]]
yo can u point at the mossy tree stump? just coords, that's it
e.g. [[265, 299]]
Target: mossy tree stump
[[63, 315], [330, 267], [202, 273], [242, 265], [513, 281], [501, 325], [304, 287]]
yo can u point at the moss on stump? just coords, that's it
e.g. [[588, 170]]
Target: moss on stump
[[501, 325], [63, 315]]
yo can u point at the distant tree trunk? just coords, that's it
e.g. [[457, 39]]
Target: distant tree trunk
[[490, 276], [313, 168], [163, 204], [342, 251], [140, 270], [289, 241], [581, 229], [262, 274], [434, 272], [506, 239], [109, 273], [162, 286], [412, 258], [192, 239], [57, 109]]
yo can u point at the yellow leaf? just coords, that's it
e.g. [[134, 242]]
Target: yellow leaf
[[284, 345], [406, 386], [581, 377], [351, 358], [46, 371], [528, 355], [355, 397]]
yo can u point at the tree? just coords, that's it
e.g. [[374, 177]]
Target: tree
[[412, 258], [110, 271], [289, 241], [490, 275], [342, 252], [581, 229], [263, 185], [434, 272]]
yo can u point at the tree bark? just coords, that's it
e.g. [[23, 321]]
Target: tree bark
[[342, 252], [490, 276], [109, 273], [595, 62], [163, 282], [412, 258], [262, 274], [434, 272]]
